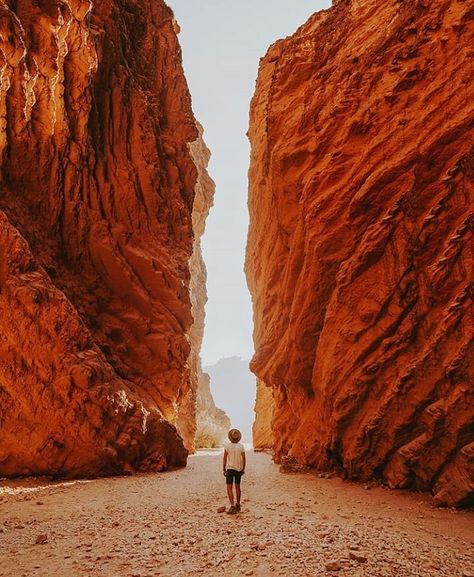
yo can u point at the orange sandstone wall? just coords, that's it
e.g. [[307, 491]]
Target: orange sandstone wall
[[360, 245], [200, 422], [262, 430], [97, 189], [212, 423]]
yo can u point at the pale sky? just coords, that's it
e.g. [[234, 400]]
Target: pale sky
[[222, 42]]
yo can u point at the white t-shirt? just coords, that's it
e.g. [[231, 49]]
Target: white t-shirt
[[234, 456]]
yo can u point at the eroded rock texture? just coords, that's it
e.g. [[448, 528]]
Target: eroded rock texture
[[200, 422], [360, 245], [212, 423], [97, 198], [262, 430]]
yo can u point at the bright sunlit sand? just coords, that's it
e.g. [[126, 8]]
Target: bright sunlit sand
[[167, 524]]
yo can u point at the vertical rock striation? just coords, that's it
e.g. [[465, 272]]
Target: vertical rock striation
[[360, 246], [97, 204], [200, 422], [262, 430]]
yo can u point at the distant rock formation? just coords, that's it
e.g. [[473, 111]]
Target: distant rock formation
[[360, 249], [212, 423], [100, 214], [200, 422], [233, 389]]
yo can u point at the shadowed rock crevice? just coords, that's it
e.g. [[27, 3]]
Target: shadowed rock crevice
[[360, 246]]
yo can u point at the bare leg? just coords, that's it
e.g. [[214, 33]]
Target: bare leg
[[237, 493], [230, 494]]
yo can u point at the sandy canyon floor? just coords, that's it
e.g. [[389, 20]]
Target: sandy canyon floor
[[168, 525]]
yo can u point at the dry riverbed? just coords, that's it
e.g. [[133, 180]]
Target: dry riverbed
[[167, 525]]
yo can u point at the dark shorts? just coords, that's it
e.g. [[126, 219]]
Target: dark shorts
[[232, 476]]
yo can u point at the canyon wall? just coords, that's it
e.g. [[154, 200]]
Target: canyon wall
[[262, 430], [200, 422], [360, 245], [212, 423], [98, 224]]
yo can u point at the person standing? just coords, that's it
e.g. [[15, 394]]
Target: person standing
[[233, 463]]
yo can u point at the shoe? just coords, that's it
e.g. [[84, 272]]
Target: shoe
[[231, 510], [237, 507]]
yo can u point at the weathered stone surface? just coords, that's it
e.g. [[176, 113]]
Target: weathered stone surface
[[97, 190], [200, 422], [262, 431], [212, 423], [360, 244], [64, 410], [202, 202]]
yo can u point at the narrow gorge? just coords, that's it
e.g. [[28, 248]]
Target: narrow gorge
[[360, 247], [103, 199], [359, 265], [359, 256]]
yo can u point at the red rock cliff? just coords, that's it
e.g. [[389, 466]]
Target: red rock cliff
[[262, 430], [96, 206], [360, 245], [200, 422], [212, 423]]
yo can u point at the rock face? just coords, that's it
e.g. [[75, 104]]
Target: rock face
[[212, 423], [262, 430], [200, 422], [98, 226], [360, 244]]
